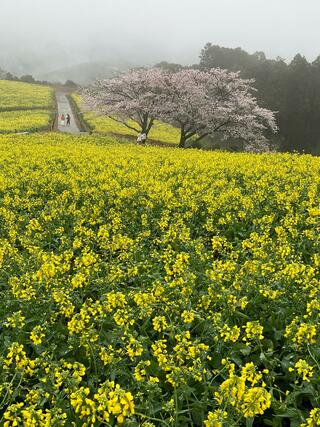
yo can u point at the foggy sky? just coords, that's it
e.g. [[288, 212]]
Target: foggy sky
[[43, 35]]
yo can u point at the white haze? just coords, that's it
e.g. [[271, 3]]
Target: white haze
[[39, 36]]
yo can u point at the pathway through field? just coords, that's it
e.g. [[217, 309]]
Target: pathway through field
[[64, 107]]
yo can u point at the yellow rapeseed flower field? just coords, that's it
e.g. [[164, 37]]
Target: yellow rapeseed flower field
[[25, 107], [24, 120], [19, 95], [147, 286]]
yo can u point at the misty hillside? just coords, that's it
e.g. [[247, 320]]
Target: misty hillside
[[84, 73]]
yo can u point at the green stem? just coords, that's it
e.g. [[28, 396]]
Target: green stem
[[176, 406], [152, 419]]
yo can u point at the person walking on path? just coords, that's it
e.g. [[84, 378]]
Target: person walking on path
[[68, 119], [64, 109]]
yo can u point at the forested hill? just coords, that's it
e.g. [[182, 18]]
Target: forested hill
[[292, 89]]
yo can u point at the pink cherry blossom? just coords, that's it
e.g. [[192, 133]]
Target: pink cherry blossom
[[200, 103]]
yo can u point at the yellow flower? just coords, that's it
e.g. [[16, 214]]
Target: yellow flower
[[216, 418], [187, 316], [37, 334], [134, 348], [254, 331], [314, 418], [16, 320], [303, 369], [255, 401], [246, 399], [159, 323], [306, 334], [230, 334]]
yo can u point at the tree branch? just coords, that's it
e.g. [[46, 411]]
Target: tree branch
[[125, 124]]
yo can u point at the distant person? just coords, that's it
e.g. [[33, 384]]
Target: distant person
[[62, 120], [142, 137], [68, 119]]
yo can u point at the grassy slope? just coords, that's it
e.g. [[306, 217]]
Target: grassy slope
[[161, 132]]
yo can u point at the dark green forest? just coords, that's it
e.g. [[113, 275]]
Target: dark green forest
[[291, 89]]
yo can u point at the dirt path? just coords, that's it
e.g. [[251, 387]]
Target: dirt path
[[64, 107]]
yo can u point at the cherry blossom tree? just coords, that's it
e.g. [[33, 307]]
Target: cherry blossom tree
[[130, 98], [202, 103]]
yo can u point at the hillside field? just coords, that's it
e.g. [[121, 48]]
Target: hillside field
[[100, 124], [25, 107], [148, 286]]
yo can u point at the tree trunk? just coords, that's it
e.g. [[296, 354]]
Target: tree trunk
[[149, 126], [182, 143], [146, 124]]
